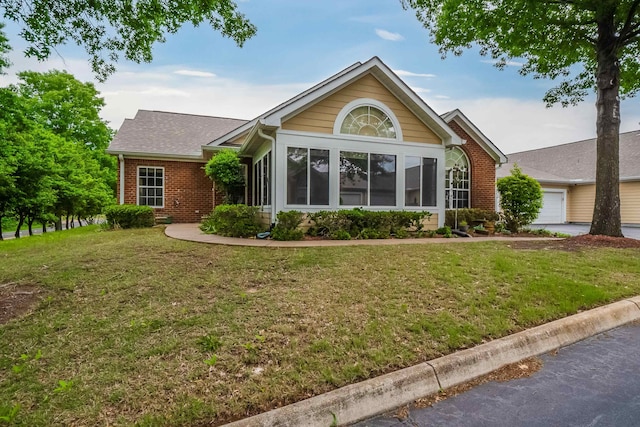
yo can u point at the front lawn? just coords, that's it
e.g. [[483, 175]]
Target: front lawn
[[133, 327]]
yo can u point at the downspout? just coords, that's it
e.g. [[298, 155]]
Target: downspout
[[271, 169], [121, 157]]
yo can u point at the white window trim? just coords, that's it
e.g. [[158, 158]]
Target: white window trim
[[164, 177], [361, 102]]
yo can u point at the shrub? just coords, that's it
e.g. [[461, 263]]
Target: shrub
[[360, 224], [520, 199], [233, 221], [287, 226], [129, 216], [470, 215], [444, 231], [224, 169]]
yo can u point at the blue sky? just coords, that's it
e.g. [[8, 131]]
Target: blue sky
[[300, 43]]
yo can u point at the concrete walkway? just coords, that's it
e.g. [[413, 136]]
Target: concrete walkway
[[192, 232]]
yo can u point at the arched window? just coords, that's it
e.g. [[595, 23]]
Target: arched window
[[369, 118], [457, 179]]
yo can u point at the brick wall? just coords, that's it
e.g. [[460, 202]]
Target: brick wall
[[188, 192], [483, 171]]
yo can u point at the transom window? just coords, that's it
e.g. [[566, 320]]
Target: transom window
[[367, 120], [457, 179], [151, 186]]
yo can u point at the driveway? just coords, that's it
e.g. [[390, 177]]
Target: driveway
[[577, 229], [595, 382]]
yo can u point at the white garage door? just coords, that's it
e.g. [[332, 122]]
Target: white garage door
[[552, 211]]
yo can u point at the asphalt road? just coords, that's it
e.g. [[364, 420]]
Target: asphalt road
[[595, 382]]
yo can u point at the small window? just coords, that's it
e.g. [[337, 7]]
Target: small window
[[367, 120], [151, 186]]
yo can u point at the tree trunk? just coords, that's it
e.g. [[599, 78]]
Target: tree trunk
[[30, 225], [58, 226], [44, 227], [606, 211], [1, 238], [20, 222], [67, 223]]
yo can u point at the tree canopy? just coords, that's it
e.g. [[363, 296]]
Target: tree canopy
[[586, 45], [108, 29]]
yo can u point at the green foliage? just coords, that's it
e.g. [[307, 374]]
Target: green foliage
[[520, 199], [63, 386], [109, 29], [129, 216], [554, 39], [9, 413], [5, 47], [444, 231], [70, 109], [210, 342], [362, 224], [233, 221], [287, 226], [470, 215], [225, 171]]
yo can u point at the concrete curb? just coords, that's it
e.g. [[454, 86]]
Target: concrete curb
[[368, 398]]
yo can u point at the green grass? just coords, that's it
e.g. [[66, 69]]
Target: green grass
[[136, 328]]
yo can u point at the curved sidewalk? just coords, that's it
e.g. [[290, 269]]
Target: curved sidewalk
[[192, 233]]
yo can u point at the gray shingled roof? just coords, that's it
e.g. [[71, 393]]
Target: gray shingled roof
[[574, 161], [164, 133]]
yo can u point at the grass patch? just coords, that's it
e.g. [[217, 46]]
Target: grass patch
[[136, 328]]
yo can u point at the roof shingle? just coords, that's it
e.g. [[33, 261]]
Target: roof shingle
[[164, 133]]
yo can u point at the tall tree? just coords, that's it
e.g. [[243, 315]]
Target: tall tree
[[588, 44], [109, 28], [71, 109], [5, 47]]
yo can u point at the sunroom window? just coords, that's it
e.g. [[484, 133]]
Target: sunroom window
[[367, 179], [420, 181], [261, 181], [307, 176]]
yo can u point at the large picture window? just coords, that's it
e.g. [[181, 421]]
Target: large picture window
[[261, 181], [367, 179], [307, 176], [420, 181], [151, 186], [457, 179]]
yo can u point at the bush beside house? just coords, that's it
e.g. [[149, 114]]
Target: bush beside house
[[129, 216]]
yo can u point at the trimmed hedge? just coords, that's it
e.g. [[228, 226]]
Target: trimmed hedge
[[470, 215], [361, 224], [233, 221], [129, 216]]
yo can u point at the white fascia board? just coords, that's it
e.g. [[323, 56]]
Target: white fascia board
[[477, 134], [220, 147]]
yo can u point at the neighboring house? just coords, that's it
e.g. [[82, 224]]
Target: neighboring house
[[361, 138], [567, 175]]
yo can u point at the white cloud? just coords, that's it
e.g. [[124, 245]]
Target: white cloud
[[388, 35], [442, 97], [194, 73], [404, 73]]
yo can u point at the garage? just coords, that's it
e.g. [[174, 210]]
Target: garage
[[553, 207]]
